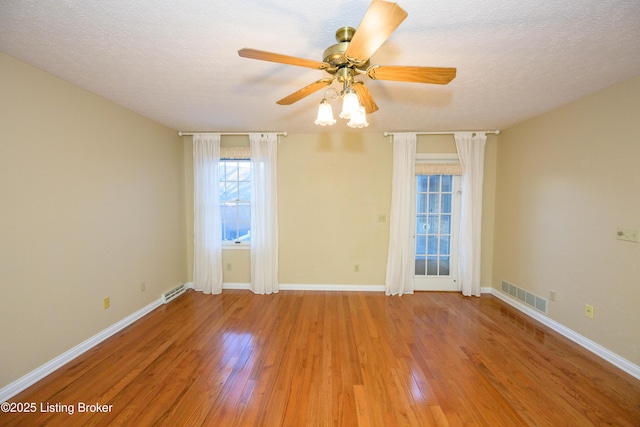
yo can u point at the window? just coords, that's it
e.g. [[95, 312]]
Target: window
[[434, 225], [235, 201]]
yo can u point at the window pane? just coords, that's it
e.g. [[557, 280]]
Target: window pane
[[232, 234], [434, 184], [434, 203], [433, 224], [445, 224], [432, 266], [432, 248], [445, 243], [228, 211], [422, 183], [421, 245], [420, 265], [231, 171], [244, 192], [421, 224], [421, 203], [244, 170], [447, 183], [221, 171], [444, 266], [446, 203], [244, 221], [230, 192], [244, 231]]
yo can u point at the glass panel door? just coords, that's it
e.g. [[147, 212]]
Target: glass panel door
[[437, 220]]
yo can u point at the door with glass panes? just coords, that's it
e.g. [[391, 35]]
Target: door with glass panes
[[436, 232]]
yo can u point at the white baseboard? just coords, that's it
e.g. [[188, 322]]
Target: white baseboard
[[233, 285], [37, 374], [611, 357], [330, 287], [311, 287]]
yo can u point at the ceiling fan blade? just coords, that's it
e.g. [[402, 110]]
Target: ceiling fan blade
[[434, 75], [365, 97], [282, 59], [381, 19], [305, 91]]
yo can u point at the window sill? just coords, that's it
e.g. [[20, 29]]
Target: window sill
[[236, 246]]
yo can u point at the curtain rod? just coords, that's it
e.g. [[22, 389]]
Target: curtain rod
[[180, 133], [447, 132]]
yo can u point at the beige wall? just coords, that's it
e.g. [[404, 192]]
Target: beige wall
[[92, 205], [566, 180], [331, 190]]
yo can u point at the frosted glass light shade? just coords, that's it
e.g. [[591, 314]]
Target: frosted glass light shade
[[350, 105], [359, 119], [325, 114]]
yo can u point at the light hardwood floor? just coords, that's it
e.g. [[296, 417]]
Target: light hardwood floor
[[330, 358]]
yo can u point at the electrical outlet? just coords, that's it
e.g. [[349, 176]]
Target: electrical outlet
[[356, 268], [106, 303], [382, 218], [552, 295], [588, 311], [143, 286], [228, 266]]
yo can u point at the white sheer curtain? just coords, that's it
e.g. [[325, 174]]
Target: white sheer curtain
[[401, 254], [207, 230], [264, 213], [471, 153]]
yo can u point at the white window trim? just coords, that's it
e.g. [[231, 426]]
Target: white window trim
[[228, 245]]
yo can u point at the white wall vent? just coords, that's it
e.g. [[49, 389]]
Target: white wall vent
[[532, 300], [174, 293]]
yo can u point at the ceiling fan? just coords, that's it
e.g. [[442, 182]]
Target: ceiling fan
[[350, 58]]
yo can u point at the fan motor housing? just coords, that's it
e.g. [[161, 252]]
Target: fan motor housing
[[335, 55]]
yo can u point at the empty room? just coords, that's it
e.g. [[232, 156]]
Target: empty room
[[336, 213]]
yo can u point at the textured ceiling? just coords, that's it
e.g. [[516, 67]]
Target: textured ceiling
[[177, 62]]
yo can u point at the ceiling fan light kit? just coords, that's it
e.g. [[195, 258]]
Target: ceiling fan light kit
[[358, 119], [352, 109], [350, 104], [325, 114], [350, 58]]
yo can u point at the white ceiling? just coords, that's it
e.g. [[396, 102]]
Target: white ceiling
[[176, 62]]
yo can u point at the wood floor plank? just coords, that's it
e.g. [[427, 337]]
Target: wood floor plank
[[335, 359]]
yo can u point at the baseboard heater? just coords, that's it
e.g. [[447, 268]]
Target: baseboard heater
[[174, 293]]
